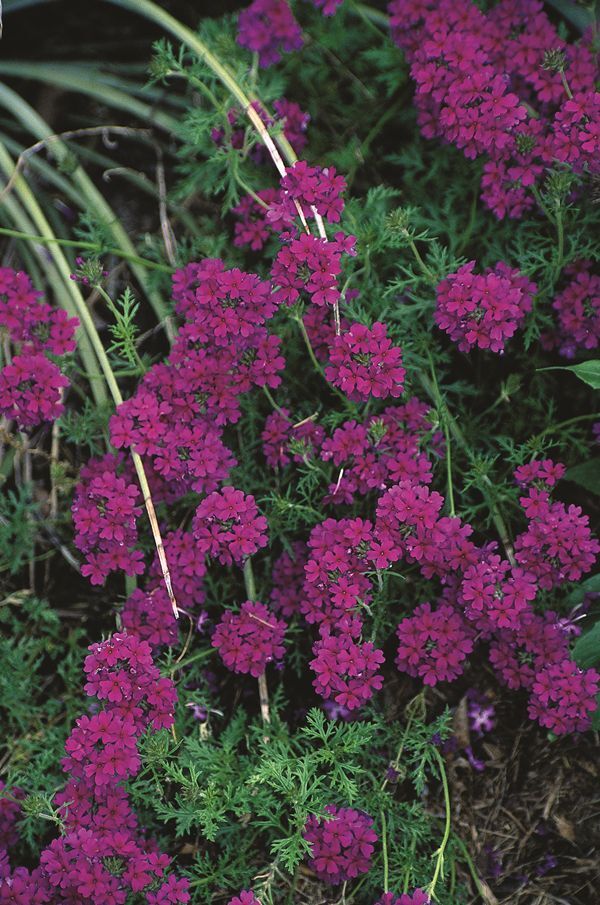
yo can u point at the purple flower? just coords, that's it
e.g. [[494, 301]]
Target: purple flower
[[345, 670], [483, 310], [434, 644], [563, 697], [247, 641], [227, 526], [246, 897], [364, 363], [268, 27], [31, 390], [417, 897], [341, 845]]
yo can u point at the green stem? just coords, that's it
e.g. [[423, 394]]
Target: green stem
[[567, 423], [309, 348], [269, 396], [263, 689], [443, 415], [371, 14], [249, 581], [86, 246], [439, 864], [499, 523], [386, 867], [566, 84], [417, 255], [113, 310], [560, 230], [470, 864]]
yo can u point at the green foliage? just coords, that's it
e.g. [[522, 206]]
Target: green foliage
[[17, 528], [40, 696], [235, 780]]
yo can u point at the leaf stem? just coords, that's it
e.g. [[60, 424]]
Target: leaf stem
[[439, 864], [386, 867]]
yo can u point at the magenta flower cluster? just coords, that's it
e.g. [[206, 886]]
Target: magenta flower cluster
[[222, 350], [31, 383], [247, 641], [485, 309], [491, 598], [105, 509], [505, 85], [342, 844], [246, 897], [417, 897], [228, 527], [386, 448], [311, 187], [268, 28], [364, 363], [577, 309], [433, 644], [102, 857]]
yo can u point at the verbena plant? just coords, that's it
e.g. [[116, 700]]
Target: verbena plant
[[314, 446]]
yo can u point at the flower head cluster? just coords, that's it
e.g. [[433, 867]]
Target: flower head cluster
[[105, 509], [518, 655], [434, 644], [503, 84], [409, 523], [247, 641], [496, 595], [149, 615], [187, 568], [483, 310], [246, 897], [417, 897], [310, 265], [328, 7], [557, 545], [341, 845], [284, 441], [102, 858], [31, 384], [312, 187], [228, 305], [336, 586], [383, 450], [364, 363], [542, 473], [268, 27], [227, 526], [563, 697], [578, 313], [252, 226], [222, 350], [31, 390], [346, 670]]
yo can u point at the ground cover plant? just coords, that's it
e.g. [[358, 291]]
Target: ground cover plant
[[299, 320]]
